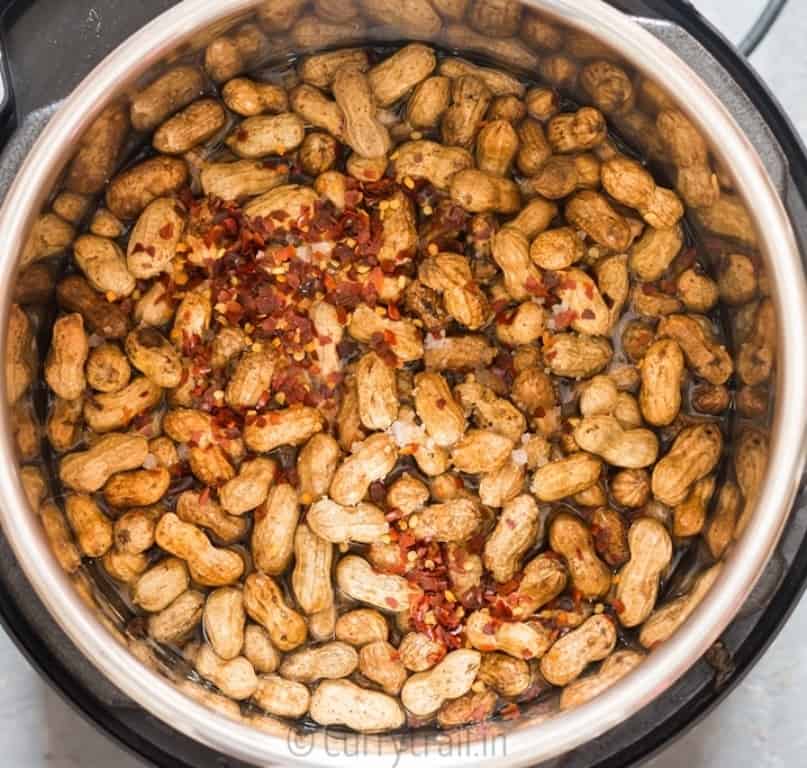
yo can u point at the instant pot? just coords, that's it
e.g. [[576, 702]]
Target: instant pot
[[48, 48]]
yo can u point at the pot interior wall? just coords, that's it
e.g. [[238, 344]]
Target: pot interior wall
[[538, 48]]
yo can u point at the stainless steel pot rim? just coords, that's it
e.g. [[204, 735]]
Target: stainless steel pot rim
[[528, 743]]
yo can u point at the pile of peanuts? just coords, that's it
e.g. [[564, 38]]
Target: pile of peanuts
[[385, 390]]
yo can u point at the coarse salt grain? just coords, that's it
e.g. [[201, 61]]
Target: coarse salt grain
[[150, 462], [519, 456]]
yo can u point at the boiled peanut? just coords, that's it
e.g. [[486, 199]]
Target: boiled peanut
[[662, 371], [235, 678], [340, 702], [592, 213], [387, 592], [259, 651], [604, 436], [199, 509], [289, 426], [133, 532], [566, 477], [363, 132], [283, 698], [569, 536], [87, 471], [179, 619], [613, 669], [265, 604], [137, 488], [131, 191], [320, 69], [104, 265], [250, 98], [273, 532], [107, 368], [329, 661], [637, 588], [235, 52], [664, 621], [543, 579], [240, 179], [505, 674], [518, 639], [98, 151], [64, 367], [369, 461], [316, 464], [379, 662], [311, 578], [92, 528], [576, 356], [342, 524], [260, 136], [159, 586], [424, 693], [395, 76], [689, 516], [720, 529], [514, 534], [592, 641], [430, 160], [693, 455], [481, 192], [208, 565]]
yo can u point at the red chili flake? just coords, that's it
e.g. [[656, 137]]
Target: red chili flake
[[510, 523], [391, 602], [393, 313], [565, 318], [587, 314], [589, 290], [618, 605], [204, 496], [167, 230], [510, 712], [489, 628], [441, 403]]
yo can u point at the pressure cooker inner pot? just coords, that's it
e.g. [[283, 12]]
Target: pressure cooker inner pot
[[617, 228]]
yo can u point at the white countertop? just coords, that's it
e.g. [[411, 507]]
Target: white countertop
[[760, 725]]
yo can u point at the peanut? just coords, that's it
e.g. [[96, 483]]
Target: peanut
[[208, 565], [92, 528], [311, 578], [693, 455], [179, 619], [87, 471], [664, 621], [570, 537], [329, 661], [565, 477], [613, 669], [64, 367], [161, 584], [358, 581], [592, 641], [518, 639], [280, 697], [340, 702], [425, 692], [637, 588]]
